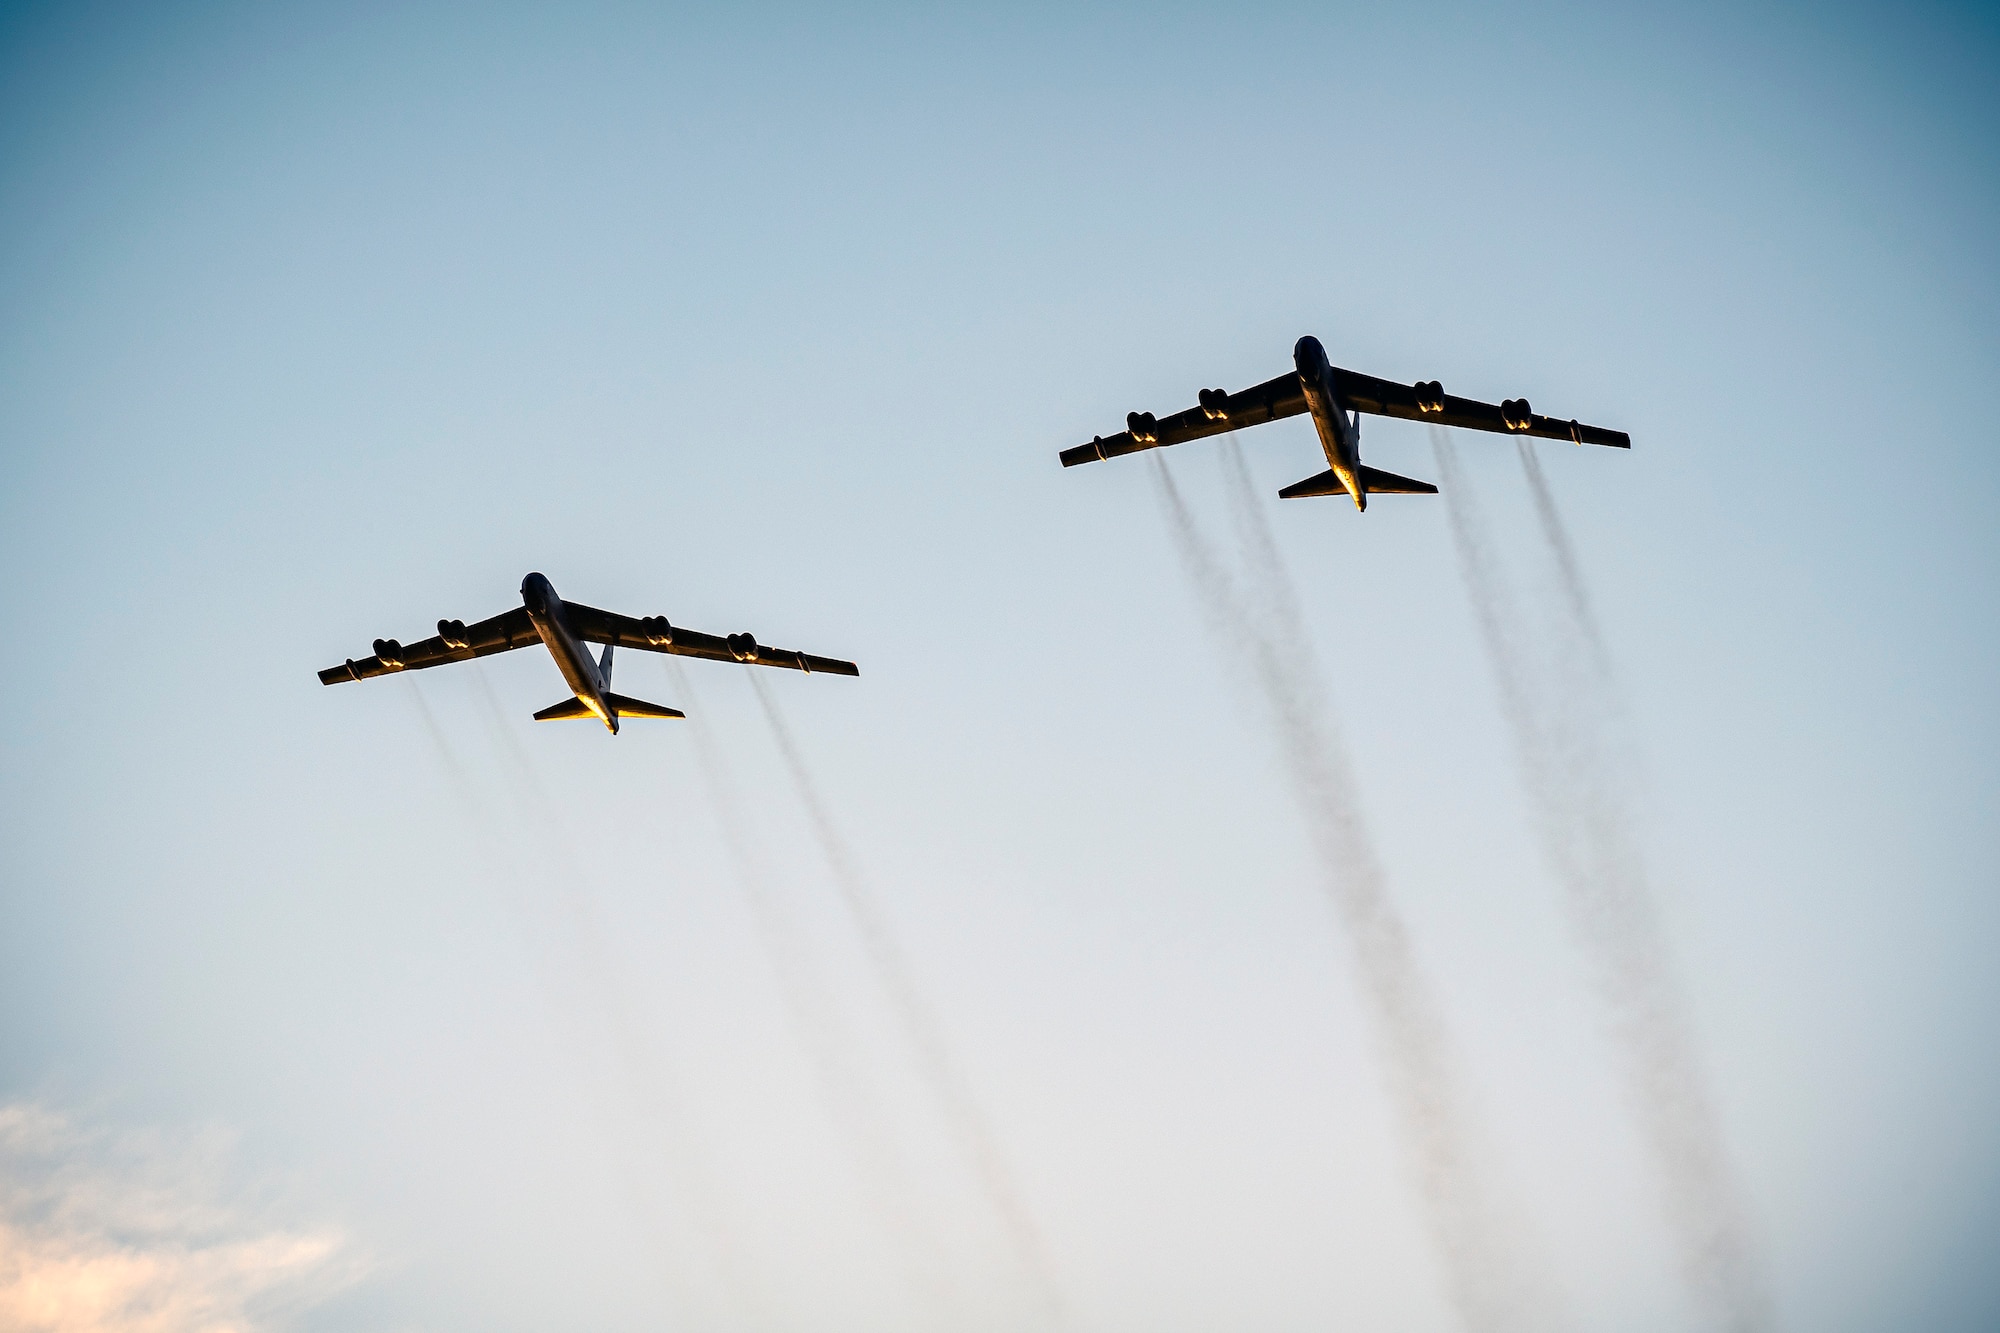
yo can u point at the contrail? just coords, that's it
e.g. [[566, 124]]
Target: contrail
[[814, 1016], [656, 1090], [1583, 617], [447, 754], [1579, 798], [919, 1023], [1486, 1274], [1280, 611]]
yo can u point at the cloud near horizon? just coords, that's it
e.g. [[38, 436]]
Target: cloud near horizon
[[106, 1232]]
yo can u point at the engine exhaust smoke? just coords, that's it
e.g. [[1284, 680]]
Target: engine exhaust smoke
[[447, 753], [810, 1006], [1486, 1273], [1563, 714], [1555, 535], [920, 1027], [587, 999]]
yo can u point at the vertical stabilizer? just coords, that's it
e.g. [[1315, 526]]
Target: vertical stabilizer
[[604, 669]]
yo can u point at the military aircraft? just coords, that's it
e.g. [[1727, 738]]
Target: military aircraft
[[563, 628], [1336, 398]]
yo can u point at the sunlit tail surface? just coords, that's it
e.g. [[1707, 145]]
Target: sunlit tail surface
[[573, 709], [1374, 481]]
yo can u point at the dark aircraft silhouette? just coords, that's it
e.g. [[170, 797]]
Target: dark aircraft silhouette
[[1336, 398], [563, 628]]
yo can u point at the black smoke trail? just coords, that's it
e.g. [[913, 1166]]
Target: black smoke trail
[[1555, 534], [1485, 1270], [1561, 710], [914, 1014], [447, 753], [814, 1015], [588, 996]]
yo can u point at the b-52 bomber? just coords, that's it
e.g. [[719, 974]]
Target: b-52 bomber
[[563, 628], [1336, 398]]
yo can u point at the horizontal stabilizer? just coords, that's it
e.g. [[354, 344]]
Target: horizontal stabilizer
[[625, 707], [622, 706], [1326, 483], [1379, 482], [1374, 481]]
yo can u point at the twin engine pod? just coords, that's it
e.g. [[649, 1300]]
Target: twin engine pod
[[657, 631], [742, 647], [1215, 404], [1144, 426], [1430, 397], [390, 653], [1517, 414], [453, 634]]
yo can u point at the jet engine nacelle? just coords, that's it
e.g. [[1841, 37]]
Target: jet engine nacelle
[[742, 647], [453, 634], [1430, 397], [1215, 404], [390, 652], [657, 631], [1517, 414], [1144, 426]]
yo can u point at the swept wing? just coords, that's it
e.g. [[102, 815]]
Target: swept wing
[[654, 635], [1219, 412], [502, 633]]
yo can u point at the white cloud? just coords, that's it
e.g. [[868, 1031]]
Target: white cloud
[[131, 1233]]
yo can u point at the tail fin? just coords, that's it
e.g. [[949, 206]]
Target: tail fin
[[604, 669], [1374, 481]]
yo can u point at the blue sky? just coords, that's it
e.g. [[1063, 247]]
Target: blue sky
[[317, 326]]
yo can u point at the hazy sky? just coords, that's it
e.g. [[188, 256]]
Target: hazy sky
[[372, 1008]]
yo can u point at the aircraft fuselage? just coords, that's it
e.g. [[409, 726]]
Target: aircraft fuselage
[[1339, 429], [545, 611]]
